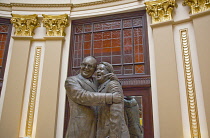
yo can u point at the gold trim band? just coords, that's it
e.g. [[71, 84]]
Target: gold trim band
[[33, 91], [190, 87]]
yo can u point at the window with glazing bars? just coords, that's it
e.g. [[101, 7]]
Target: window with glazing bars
[[5, 32], [119, 41]]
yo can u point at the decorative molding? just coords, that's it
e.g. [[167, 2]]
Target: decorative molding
[[160, 10], [33, 91], [5, 5], [94, 3], [135, 81], [197, 6], [25, 24], [36, 5], [55, 24], [190, 87], [58, 5]]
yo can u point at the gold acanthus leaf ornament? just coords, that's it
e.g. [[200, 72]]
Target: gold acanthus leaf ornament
[[160, 10], [25, 24], [55, 24], [197, 5]]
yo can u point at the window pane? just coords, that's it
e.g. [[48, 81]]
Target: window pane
[[107, 52], [128, 58], [98, 27], [78, 29], [128, 70], [107, 26], [88, 27], [117, 70], [87, 37], [137, 22], [4, 28], [116, 24], [127, 23], [107, 59], [116, 59], [139, 69], [116, 51]]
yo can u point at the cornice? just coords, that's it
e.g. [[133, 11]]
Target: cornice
[[94, 3], [60, 5], [36, 5], [5, 5]]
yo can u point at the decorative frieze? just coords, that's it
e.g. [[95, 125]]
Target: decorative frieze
[[190, 86], [55, 24], [197, 5], [25, 24], [160, 10]]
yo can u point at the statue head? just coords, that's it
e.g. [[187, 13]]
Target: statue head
[[88, 66], [102, 70]]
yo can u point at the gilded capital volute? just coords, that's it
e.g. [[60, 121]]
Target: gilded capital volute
[[25, 24], [160, 10], [197, 5], [55, 24]]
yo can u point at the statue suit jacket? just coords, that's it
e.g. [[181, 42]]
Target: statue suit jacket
[[111, 121], [82, 97]]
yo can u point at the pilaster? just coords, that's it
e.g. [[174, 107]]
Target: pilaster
[[47, 114]]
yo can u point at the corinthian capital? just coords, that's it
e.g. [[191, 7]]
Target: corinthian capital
[[25, 24], [197, 5], [160, 10], [55, 24]]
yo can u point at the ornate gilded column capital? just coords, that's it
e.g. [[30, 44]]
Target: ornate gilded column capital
[[55, 24], [160, 10], [25, 24], [197, 5]]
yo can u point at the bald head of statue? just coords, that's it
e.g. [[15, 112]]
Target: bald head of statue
[[88, 67]]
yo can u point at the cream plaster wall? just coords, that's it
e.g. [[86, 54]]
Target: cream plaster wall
[[156, 123], [202, 33]]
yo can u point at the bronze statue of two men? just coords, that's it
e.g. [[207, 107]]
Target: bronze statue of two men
[[96, 103]]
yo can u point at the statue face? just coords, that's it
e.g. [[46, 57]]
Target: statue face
[[88, 67], [101, 72]]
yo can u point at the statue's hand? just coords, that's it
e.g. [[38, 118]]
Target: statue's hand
[[112, 76], [117, 97]]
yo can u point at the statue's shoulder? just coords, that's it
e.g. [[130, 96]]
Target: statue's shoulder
[[114, 82], [72, 77]]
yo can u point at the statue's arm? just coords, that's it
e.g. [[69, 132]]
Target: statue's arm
[[116, 110], [79, 95]]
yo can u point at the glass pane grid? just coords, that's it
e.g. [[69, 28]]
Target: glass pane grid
[[117, 42]]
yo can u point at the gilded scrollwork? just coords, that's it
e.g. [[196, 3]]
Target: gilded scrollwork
[[25, 24], [160, 10], [55, 24], [190, 87], [197, 5]]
